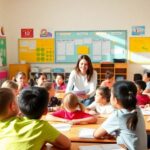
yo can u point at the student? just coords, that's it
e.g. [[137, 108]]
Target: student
[[146, 78], [72, 112], [53, 101], [101, 105], [142, 99], [27, 132], [21, 80], [127, 122], [40, 78], [59, 82], [109, 79], [12, 85], [137, 76], [83, 78]]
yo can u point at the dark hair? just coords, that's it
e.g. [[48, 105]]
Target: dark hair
[[33, 102], [105, 92], [141, 84], [137, 76], [90, 67], [108, 75], [125, 93], [38, 75], [147, 74], [6, 96], [60, 74]]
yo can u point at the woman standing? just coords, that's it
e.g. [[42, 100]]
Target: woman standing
[[83, 80]]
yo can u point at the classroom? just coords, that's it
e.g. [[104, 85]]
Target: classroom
[[67, 24]]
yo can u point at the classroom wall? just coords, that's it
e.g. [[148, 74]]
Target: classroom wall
[[73, 15]]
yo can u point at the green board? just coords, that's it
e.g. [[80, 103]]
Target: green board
[[101, 46], [3, 60]]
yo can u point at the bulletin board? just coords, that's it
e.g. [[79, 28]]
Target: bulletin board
[[139, 50], [99, 45], [36, 50], [3, 58]]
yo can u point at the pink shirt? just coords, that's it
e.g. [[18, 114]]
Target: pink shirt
[[61, 87], [78, 114], [142, 99]]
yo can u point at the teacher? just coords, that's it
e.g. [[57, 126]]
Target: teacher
[[83, 78]]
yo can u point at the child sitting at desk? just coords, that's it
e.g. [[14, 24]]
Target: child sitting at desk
[[54, 102], [127, 122], [101, 105], [72, 112], [40, 78], [142, 99], [12, 85], [109, 80], [59, 82], [21, 80], [27, 132]]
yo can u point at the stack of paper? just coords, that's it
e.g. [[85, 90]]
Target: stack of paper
[[86, 133], [101, 147], [62, 126]]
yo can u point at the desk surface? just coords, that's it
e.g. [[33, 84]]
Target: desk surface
[[73, 133]]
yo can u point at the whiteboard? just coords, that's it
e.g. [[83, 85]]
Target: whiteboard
[[99, 45]]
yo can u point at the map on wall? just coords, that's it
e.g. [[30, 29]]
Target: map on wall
[[36, 50], [99, 45]]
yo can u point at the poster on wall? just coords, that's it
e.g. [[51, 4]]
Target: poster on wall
[[27, 33], [138, 30]]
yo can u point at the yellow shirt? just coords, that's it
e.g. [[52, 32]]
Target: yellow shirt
[[25, 134]]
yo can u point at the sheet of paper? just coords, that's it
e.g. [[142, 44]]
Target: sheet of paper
[[70, 48], [61, 47], [97, 47], [106, 47], [62, 126], [145, 112], [86, 133], [101, 147]]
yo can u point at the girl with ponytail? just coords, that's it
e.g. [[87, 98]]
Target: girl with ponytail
[[127, 122]]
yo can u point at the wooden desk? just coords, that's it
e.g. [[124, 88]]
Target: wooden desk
[[60, 94], [147, 124], [73, 133]]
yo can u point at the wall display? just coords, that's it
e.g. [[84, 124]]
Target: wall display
[[99, 45], [36, 50], [139, 49], [3, 59]]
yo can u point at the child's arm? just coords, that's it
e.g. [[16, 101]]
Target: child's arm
[[88, 120], [62, 142], [100, 132], [53, 118]]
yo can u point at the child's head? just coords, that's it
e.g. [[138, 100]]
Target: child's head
[[59, 79], [12, 85], [71, 102], [109, 76], [141, 85], [124, 94], [8, 104], [146, 76], [49, 87], [137, 76], [40, 78], [20, 77], [33, 102], [102, 95]]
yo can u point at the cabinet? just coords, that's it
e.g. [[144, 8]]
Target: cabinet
[[119, 70], [15, 68]]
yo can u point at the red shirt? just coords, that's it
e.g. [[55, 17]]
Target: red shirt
[[78, 114], [142, 99]]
